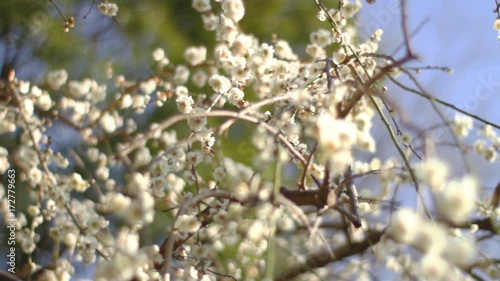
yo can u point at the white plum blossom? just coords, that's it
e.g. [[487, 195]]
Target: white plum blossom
[[462, 125], [219, 83], [321, 15], [335, 135], [181, 75], [57, 78], [433, 172], [430, 238], [404, 225], [185, 104], [108, 123], [187, 223], [496, 25], [235, 96], [108, 9], [201, 5], [457, 199], [158, 54], [433, 267], [197, 123], [79, 89], [195, 55], [233, 9], [283, 50], [44, 102], [210, 21], [219, 173], [256, 231], [194, 158], [200, 78], [322, 38]]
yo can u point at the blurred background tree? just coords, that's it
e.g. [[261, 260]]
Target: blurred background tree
[[33, 41]]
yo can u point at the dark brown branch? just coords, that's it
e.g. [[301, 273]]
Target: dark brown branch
[[314, 197], [363, 88], [323, 258]]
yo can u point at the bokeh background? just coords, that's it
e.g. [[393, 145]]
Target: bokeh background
[[454, 34]]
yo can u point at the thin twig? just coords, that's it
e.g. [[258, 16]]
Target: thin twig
[[302, 184]]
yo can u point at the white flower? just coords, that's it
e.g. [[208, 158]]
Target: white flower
[[256, 231], [108, 123], [266, 50], [199, 78], [490, 154], [57, 78], [459, 251], [108, 9], [184, 104], [187, 223], [44, 102], [35, 91], [457, 200], [120, 202], [432, 172], [339, 160], [158, 54], [28, 106], [283, 50], [233, 9], [181, 75], [433, 267], [241, 72], [315, 51], [489, 132], [350, 9], [142, 157], [201, 5], [138, 183], [404, 225], [235, 96], [219, 173], [366, 142], [462, 125], [321, 15], [181, 91], [430, 238], [194, 158], [141, 210], [345, 39], [219, 83], [321, 38], [197, 123], [148, 86], [79, 89], [210, 21], [77, 183], [195, 55], [334, 135], [496, 25], [177, 154]]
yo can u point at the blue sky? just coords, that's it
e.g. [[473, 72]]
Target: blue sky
[[459, 35]]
